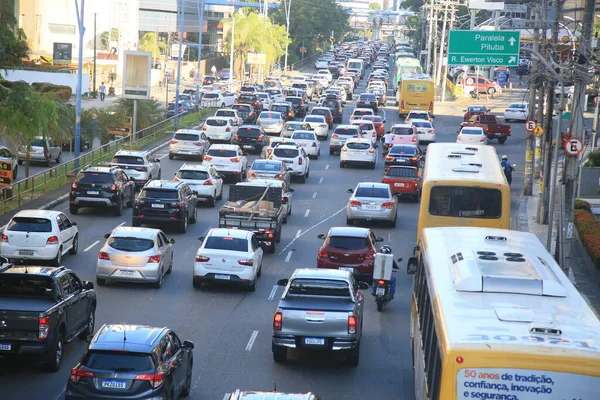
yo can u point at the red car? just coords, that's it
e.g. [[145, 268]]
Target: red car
[[351, 249], [378, 122], [403, 181], [324, 111], [475, 110]]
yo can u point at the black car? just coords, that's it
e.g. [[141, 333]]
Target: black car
[[367, 100], [252, 99], [247, 112], [102, 187], [133, 362], [299, 105], [185, 106], [404, 154], [336, 107], [162, 202], [84, 143], [286, 109], [250, 138], [335, 71], [209, 80]]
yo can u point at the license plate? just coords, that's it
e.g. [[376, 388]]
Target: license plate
[[314, 341], [380, 291], [400, 159], [370, 207], [158, 205], [5, 346], [125, 272], [399, 184], [288, 161], [248, 147], [224, 277], [114, 384], [25, 252], [96, 192], [349, 269]]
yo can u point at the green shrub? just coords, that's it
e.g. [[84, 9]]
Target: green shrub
[[593, 160], [589, 232], [582, 205]]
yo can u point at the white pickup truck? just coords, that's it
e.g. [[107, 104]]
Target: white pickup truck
[[320, 309], [41, 150]]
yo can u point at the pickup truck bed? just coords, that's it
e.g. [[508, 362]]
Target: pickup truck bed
[[491, 125], [32, 304]]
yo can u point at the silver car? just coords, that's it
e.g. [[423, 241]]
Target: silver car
[[140, 165], [188, 142], [271, 121], [135, 255], [372, 201]]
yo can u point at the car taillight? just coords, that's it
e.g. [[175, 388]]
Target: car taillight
[[177, 204], [203, 127], [277, 321], [412, 159], [482, 139], [236, 137], [344, 148], [334, 136], [4, 238], [155, 379], [269, 151], [279, 176], [52, 240], [355, 203], [402, 104], [322, 253], [113, 187], [198, 144], [78, 373], [251, 174], [173, 142], [300, 161], [389, 158], [207, 158], [44, 325], [228, 130], [260, 138], [381, 282], [387, 204], [351, 324], [414, 139], [103, 256], [248, 262], [459, 137], [74, 185], [430, 131], [141, 169], [370, 256], [234, 159], [200, 258], [371, 150], [154, 259]]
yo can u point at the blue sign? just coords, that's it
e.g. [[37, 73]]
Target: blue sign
[[501, 78]]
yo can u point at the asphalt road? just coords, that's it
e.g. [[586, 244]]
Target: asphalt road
[[230, 327]]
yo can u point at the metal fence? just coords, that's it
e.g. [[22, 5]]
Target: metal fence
[[32, 187]]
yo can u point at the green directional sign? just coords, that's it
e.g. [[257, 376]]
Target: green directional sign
[[498, 48]]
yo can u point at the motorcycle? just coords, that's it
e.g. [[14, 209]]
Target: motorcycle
[[385, 148], [383, 291]]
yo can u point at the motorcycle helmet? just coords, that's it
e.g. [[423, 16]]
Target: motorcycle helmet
[[386, 250], [505, 157]]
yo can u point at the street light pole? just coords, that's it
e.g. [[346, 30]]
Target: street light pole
[[180, 14], [94, 87], [200, 6], [288, 5], [232, 50], [80, 13]]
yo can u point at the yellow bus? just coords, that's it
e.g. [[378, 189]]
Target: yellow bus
[[463, 185], [493, 316], [416, 92]]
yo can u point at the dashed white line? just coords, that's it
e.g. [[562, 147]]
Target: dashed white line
[[312, 227], [320, 180], [327, 166], [91, 245], [227, 396], [121, 224], [314, 195], [251, 341], [299, 232], [306, 213], [273, 292], [161, 157], [289, 256]]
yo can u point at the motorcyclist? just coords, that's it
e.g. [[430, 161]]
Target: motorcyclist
[[388, 142], [388, 250]]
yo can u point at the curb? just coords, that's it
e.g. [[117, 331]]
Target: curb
[[521, 216]]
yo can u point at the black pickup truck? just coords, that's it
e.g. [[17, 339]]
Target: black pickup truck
[[41, 310]]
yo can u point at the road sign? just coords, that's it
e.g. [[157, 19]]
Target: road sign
[[573, 146], [302, 49], [499, 48], [538, 131], [530, 125]]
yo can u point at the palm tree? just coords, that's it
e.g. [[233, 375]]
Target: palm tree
[[148, 111]]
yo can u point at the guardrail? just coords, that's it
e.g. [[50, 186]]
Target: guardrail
[[32, 187]]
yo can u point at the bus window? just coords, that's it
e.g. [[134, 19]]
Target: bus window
[[470, 202]]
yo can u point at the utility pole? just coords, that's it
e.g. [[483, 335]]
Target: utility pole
[[94, 81], [539, 118], [440, 60], [529, 136], [576, 130], [430, 50], [445, 68], [287, 6]]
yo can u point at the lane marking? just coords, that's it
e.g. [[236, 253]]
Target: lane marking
[[91, 245], [273, 292], [389, 237], [227, 396], [161, 157], [312, 227], [314, 195], [306, 213], [251, 341], [320, 181], [121, 224], [289, 256], [327, 166], [299, 232]]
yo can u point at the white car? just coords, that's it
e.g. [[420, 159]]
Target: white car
[[309, 141], [294, 158], [265, 99], [140, 165], [319, 124], [376, 85], [276, 95], [230, 113], [219, 129], [325, 73], [274, 142], [321, 79], [228, 256], [358, 151], [291, 126], [425, 130], [228, 159], [41, 235], [188, 142], [321, 63], [471, 135], [204, 180], [271, 121], [517, 112], [418, 114], [299, 78], [368, 129], [358, 113], [219, 98]]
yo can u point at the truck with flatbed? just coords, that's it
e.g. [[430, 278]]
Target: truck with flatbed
[[491, 125], [320, 309], [255, 208]]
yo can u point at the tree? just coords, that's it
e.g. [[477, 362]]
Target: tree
[[148, 111], [149, 42], [13, 47], [374, 6]]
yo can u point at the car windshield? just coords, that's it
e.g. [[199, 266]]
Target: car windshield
[[224, 113], [471, 132], [367, 97], [130, 243], [187, 136], [403, 150], [270, 116], [247, 97], [192, 174], [294, 126], [94, 177], [314, 119], [294, 100], [346, 132], [248, 131], [468, 202], [30, 224], [279, 108], [210, 96], [226, 243], [216, 122], [358, 146], [476, 109], [131, 160], [321, 112], [285, 153], [118, 361], [518, 106], [422, 124], [241, 107], [412, 115], [399, 130], [263, 95], [347, 242], [365, 126], [38, 143], [319, 287], [266, 166], [400, 172], [374, 118], [366, 191], [19, 285], [303, 136], [153, 193], [362, 112], [222, 153]]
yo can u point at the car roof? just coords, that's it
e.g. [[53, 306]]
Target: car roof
[[262, 182], [253, 395], [127, 337], [288, 146], [361, 109], [142, 233], [37, 213], [224, 232], [322, 273], [348, 231], [314, 116], [224, 109], [162, 184], [195, 167], [263, 161], [404, 146], [101, 169], [135, 153], [223, 147], [220, 117], [302, 131], [358, 140], [403, 125], [361, 121], [373, 185], [282, 103], [270, 112], [241, 105], [192, 131], [30, 269]]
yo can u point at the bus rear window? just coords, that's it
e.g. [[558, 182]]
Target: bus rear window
[[465, 202]]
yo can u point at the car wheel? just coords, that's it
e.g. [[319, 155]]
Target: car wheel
[[259, 273], [303, 178], [506, 119], [73, 209], [56, 354], [75, 245], [171, 156], [393, 223], [220, 196], [170, 266], [100, 281], [330, 152], [56, 261], [194, 217], [502, 140], [159, 174], [131, 200], [373, 166], [349, 221], [187, 388], [59, 158], [352, 358], [272, 247], [252, 286], [118, 210], [159, 282], [222, 105], [279, 354], [211, 201], [89, 329], [491, 91], [342, 165], [135, 223], [19, 162], [183, 225]]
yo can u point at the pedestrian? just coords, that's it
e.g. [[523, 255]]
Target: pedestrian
[[508, 168], [102, 90], [214, 70], [507, 75]]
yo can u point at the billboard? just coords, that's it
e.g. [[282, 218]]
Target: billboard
[[136, 75]]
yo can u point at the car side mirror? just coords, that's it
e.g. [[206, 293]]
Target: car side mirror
[[384, 121], [350, 191], [411, 267], [172, 241], [74, 223], [106, 236], [290, 169], [464, 110], [379, 239], [291, 190], [201, 238], [88, 285], [89, 338], [363, 285], [263, 245], [321, 236], [157, 160], [282, 282], [188, 345], [284, 200]]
